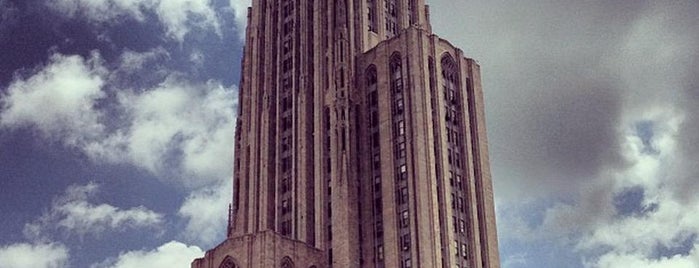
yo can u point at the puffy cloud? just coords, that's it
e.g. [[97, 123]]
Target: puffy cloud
[[178, 17], [24, 255], [205, 212], [73, 213], [189, 124], [174, 129], [59, 100], [170, 255]]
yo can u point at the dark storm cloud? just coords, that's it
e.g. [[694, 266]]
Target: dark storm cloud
[[555, 83]]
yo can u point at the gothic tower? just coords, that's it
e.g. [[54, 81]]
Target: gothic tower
[[360, 142]]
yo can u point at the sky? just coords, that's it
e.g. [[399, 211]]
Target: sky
[[117, 121]]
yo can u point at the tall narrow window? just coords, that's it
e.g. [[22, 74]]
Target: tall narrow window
[[371, 76], [379, 229], [391, 18], [396, 73], [404, 219], [402, 172], [405, 242], [371, 15], [379, 252], [400, 128], [403, 195], [450, 79]]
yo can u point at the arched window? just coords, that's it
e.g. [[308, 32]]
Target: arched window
[[396, 73], [450, 77], [287, 263], [228, 262]]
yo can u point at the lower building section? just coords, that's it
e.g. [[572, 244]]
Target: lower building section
[[264, 249]]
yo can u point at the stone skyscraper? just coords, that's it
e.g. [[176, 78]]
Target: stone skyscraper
[[360, 142]]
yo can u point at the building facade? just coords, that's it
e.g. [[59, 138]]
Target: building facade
[[360, 142]]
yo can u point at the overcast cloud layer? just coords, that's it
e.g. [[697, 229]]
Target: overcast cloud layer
[[591, 110], [592, 126]]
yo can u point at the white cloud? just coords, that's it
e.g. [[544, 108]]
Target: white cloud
[[240, 9], [177, 129], [206, 213], [24, 255], [170, 255], [74, 213], [192, 122], [59, 100], [178, 17]]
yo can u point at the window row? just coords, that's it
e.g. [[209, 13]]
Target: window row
[[459, 225], [458, 204], [402, 172], [399, 128], [451, 96], [398, 104], [405, 242], [400, 149], [454, 158], [454, 137], [376, 161], [452, 115], [461, 249], [402, 196], [456, 181]]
